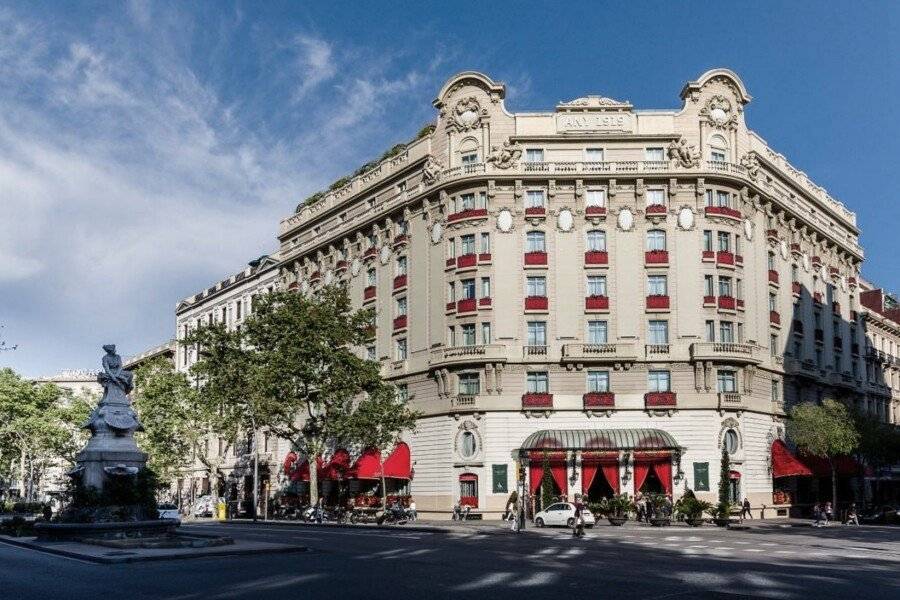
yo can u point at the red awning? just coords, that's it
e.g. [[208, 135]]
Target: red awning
[[785, 464], [845, 466], [398, 465], [366, 466], [338, 466]]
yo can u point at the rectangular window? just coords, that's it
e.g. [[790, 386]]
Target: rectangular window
[[708, 196], [538, 383], [658, 332], [726, 332], [402, 225], [737, 244], [654, 154], [717, 155], [465, 202], [451, 292], [656, 285], [469, 384], [237, 309], [486, 333], [723, 199], [709, 288], [370, 352], [468, 288], [773, 344], [710, 331], [469, 158], [775, 395], [597, 332], [485, 287], [595, 198], [537, 333], [534, 199], [401, 349], [596, 285], [726, 382], [598, 381], [655, 197], [402, 392], [536, 286], [370, 277], [451, 336], [593, 154], [596, 241], [451, 248], [773, 302], [467, 243], [725, 286], [770, 261], [534, 242], [485, 243], [401, 306], [658, 381], [534, 155], [401, 265], [724, 241], [656, 239], [467, 332], [707, 240]]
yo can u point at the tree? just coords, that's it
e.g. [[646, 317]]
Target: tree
[[879, 444], [378, 422], [725, 479], [826, 431], [166, 404], [546, 484]]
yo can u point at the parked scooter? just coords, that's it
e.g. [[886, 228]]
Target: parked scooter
[[394, 515]]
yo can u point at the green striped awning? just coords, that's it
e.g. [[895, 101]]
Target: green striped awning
[[600, 439]]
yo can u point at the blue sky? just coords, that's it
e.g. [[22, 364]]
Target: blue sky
[[148, 149]]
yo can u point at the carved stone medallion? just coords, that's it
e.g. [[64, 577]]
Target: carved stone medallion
[[385, 255], [686, 218], [626, 219], [748, 229], [437, 231], [355, 266], [564, 220], [504, 220]]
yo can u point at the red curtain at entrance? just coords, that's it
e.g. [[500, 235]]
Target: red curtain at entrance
[[535, 470], [663, 470], [557, 470], [559, 476], [641, 469], [588, 472], [611, 472]]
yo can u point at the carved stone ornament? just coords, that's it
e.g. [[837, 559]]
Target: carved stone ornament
[[685, 218], [304, 287], [564, 220], [505, 220], [385, 255], [783, 247], [465, 115], [431, 172], [329, 277], [437, 231], [844, 283], [751, 163], [806, 262], [626, 219], [355, 266], [719, 112], [686, 154], [748, 230], [505, 157]]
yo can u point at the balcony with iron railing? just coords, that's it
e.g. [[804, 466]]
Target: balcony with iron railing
[[730, 352], [474, 354]]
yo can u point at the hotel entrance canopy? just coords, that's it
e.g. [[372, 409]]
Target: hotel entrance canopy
[[599, 439]]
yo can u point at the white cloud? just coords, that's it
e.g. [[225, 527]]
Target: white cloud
[[315, 64]]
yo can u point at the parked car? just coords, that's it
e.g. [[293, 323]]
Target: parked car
[[168, 511], [562, 514], [881, 515]]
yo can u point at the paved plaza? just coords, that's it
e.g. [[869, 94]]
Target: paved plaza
[[485, 560]]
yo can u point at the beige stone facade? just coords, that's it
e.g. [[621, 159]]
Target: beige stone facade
[[594, 267]]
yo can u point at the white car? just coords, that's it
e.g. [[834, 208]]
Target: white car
[[168, 511], [562, 514]]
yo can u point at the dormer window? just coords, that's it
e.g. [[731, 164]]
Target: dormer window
[[718, 149]]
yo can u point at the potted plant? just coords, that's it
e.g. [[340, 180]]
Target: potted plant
[[661, 510], [616, 509], [721, 514], [692, 509]]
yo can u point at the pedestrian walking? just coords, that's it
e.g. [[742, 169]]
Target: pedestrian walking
[[745, 509], [817, 515], [829, 513], [578, 525], [413, 515], [852, 517]]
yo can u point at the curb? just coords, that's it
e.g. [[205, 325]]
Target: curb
[[420, 528], [115, 560]]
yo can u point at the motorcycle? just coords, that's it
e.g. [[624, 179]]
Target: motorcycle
[[395, 515]]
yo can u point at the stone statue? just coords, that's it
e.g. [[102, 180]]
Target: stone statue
[[684, 153], [431, 172], [113, 373], [505, 157]]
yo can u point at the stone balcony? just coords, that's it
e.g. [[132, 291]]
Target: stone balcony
[[463, 403], [482, 353], [726, 352], [578, 354], [731, 401]]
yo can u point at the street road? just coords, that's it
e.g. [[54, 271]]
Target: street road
[[634, 562]]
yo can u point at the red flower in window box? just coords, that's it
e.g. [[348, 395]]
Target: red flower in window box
[[708, 255], [657, 302], [723, 257], [727, 302], [536, 303], [656, 257], [660, 399], [599, 399], [772, 235], [341, 265], [535, 211], [466, 305], [773, 276], [795, 248], [596, 303], [369, 292], [401, 239], [535, 258], [595, 211], [795, 287], [399, 282], [534, 400], [451, 306], [451, 262], [484, 257], [471, 213], [484, 302], [722, 211], [315, 276], [774, 317], [400, 322], [709, 300], [817, 262], [596, 257], [466, 260], [656, 209]]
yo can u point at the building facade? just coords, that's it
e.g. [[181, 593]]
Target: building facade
[[621, 293]]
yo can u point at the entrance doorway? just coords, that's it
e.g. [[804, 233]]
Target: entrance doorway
[[600, 488], [652, 484]]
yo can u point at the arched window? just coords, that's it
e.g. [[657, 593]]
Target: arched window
[[535, 241], [468, 444], [730, 441], [468, 151], [718, 149], [656, 239], [596, 240]]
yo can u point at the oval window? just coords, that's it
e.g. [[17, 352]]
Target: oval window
[[468, 445], [731, 441]]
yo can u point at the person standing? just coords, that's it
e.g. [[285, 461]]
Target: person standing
[[852, 518], [639, 504], [745, 509], [817, 515], [413, 515], [578, 526], [829, 513]]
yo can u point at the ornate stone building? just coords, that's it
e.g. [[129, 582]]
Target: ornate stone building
[[624, 292]]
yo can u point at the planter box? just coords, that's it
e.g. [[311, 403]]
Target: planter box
[[599, 400], [466, 305], [658, 302], [596, 257], [466, 260], [472, 213], [617, 521], [535, 258], [400, 322], [369, 292], [593, 211], [723, 257], [660, 521], [537, 400], [596, 303], [657, 209], [656, 257], [399, 282], [536, 303], [722, 211], [535, 211], [660, 399]]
